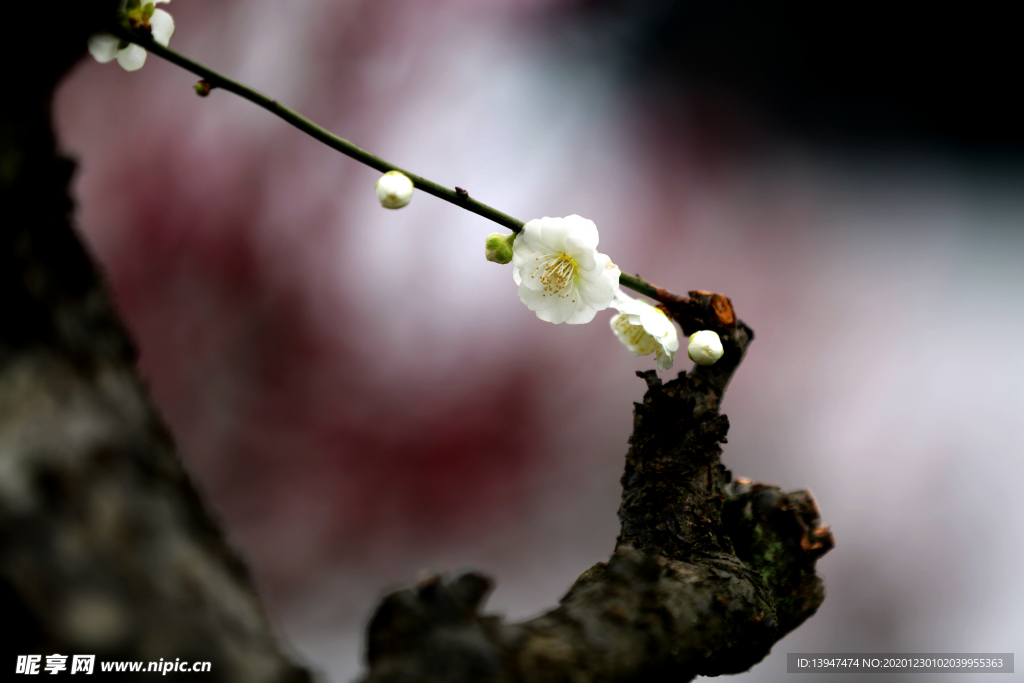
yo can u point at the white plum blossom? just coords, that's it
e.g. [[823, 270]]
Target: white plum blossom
[[138, 15], [394, 190], [705, 347], [644, 329], [561, 276]]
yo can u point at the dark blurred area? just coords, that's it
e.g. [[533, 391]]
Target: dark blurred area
[[849, 73]]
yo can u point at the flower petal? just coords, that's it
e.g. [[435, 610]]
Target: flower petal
[[553, 233], [583, 229], [583, 313], [655, 322], [555, 315], [551, 309], [162, 24], [623, 302], [521, 253], [103, 47], [131, 58], [530, 236], [601, 264], [537, 299], [600, 292]]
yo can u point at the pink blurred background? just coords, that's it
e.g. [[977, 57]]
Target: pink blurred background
[[361, 396]]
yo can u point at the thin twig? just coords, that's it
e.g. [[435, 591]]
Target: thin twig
[[460, 199], [216, 80]]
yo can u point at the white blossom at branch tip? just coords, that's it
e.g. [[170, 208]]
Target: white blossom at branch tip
[[705, 347], [644, 329], [561, 275], [394, 190], [138, 15]]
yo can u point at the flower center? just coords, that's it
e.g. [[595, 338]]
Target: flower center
[[559, 274], [138, 14]]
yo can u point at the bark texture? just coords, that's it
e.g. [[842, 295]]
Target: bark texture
[[706, 576], [105, 547]]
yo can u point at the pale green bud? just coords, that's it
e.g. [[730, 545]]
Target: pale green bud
[[498, 247]]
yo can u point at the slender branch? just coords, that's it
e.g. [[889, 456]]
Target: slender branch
[[216, 80], [638, 284], [457, 196]]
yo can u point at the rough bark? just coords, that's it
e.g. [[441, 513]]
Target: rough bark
[[105, 547], [705, 577]]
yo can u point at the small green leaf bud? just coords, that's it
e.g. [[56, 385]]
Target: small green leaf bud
[[498, 247], [203, 88]]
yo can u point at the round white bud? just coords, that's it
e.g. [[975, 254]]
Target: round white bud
[[705, 348], [394, 190]]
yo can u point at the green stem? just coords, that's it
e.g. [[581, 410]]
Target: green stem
[[637, 284], [461, 200], [306, 126]]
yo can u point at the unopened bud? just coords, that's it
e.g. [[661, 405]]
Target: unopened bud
[[394, 190], [498, 247], [705, 347], [202, 88]]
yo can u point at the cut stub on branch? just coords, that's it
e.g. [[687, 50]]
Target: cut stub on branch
[[704, 580], [699, 311]]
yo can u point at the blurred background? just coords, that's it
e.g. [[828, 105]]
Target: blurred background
[[362, 397]]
